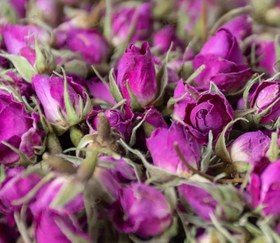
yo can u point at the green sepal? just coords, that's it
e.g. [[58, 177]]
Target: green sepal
[[162, 79], [24, 68], [274, 150], [214, 88], [206, 156], [72, 116], [134, 104], [70, 189], [2, 173], [24, 160], [114, 87], [44, 59], [221, 147]]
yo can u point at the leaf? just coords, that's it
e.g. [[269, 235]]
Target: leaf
[[221, 147], [24, 68], [114, 87]]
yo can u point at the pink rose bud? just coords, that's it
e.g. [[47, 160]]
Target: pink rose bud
[[210, 112], [224, 63], [136, 72], [88, 43], [240, 26], [58, 227], [51, 94], [19, 129], [122, 21], [266, 98], [264, 188], [166, 157], [141, 210], [249, 147]]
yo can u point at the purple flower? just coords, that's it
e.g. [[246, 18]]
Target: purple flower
[[266, 53], [120, 121], [164, 37], [161, 146], [99, 90], [50, 10], [136, 69], [89, 43], [124, 17], [48, 193], [15, 186], [201, 201], [264, 188], [19, 38], [249, 147], [110, 176], [205, 198], [224, 63], [210, 112], [58, 227], [50, 92], [266, 98], [240, 27], [19, 6], [141, 210], [186, 95], [18, 128]]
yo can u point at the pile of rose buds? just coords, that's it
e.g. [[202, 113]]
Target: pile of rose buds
[[139, 121]]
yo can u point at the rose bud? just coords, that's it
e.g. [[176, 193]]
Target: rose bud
[[224, 64], [89, 43], [99, 90], [49, 11], [249, 147], [14, 187], [164, 37], [264, 188], [185, 94], [19, 130], [166, 157], [239, 26], [136, 75], [266, 102], [58, 227], [124, 18], [20, 38], [47, 194], [51, 93], [120, 121], [141, 210], [191, 14], [109, 177], [266, 54], [210, 112], [224, 201], [19, 6]]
